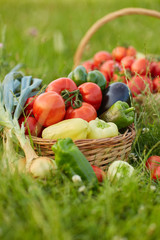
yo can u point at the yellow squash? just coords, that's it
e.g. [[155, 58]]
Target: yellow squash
[[75, 128]]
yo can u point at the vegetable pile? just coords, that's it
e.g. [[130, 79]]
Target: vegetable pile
[[79, 106], [87, 104], [70, 108]]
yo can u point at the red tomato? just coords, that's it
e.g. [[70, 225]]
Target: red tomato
[[100, 57], [155, 69], [156, 84], [31, 123], [127, 62], [49, 108], [139, 85], [28, 108], [131, 51], [100, 174], [89, 65], [29, 102], [91, 93], [108, 68], [140, 66], [86, 112], [118, 53], [61, 84], [153, 164]]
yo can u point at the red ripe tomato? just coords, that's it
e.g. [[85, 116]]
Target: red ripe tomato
[[127, 62], [156, 84], [118, 53], [28, 108], [31, 124], [100, 174], [49, 108], [155, 69], [131, 51], [140, 66], [139, 85], [61, 84], [108, 68], [100, 57], [86, 112], [91, 93], [89, 65], [153, 164]]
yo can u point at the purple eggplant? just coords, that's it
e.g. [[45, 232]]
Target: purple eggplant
[[115, 92]]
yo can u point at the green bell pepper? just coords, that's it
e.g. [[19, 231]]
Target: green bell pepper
[[78, 75], [71, 160], [119, 113], [98, 78]]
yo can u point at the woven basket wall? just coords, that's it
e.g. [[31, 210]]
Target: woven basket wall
[[99, 152]]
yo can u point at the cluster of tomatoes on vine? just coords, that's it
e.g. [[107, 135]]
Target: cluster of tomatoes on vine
[[62, 99]]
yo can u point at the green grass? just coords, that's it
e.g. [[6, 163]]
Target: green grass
[[44, 35]]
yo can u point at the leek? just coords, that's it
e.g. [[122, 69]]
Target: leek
[[11, 129]]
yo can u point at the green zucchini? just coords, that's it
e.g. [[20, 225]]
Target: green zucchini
[[72, 161]]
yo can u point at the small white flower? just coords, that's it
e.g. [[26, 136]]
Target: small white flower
[[145, 130], [76, 178], [141, 209], [151, 229], [153, 188], [1, 45], [82, 189], [133, 156]]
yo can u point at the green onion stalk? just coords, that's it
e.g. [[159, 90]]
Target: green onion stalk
[[11, 158]]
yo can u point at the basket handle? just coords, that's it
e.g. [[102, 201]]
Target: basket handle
[[109, 17]]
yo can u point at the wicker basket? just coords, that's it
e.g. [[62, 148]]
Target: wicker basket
[[99, 152]]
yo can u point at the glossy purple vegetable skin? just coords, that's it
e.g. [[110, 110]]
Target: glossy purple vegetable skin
[[114, 92]]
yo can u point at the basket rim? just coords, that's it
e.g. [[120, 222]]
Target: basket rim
[[107, 18]]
